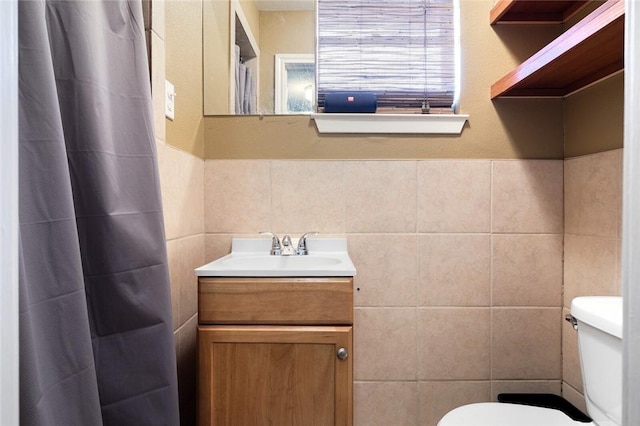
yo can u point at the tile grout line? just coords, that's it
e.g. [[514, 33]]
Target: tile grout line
[[491, 252], [418, 351], [344, 197]]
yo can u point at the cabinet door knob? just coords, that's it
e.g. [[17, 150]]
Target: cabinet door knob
[[342, 354]]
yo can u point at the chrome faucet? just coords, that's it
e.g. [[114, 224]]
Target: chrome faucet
[[302, 244], [276, 248], [287, 247]]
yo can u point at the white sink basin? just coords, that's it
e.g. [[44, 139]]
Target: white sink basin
[[279, 262], [250, 257]]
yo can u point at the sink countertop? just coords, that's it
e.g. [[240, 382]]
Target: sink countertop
[[249, 257]]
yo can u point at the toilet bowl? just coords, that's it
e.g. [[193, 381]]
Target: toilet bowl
[[499, 414], [598, 321]]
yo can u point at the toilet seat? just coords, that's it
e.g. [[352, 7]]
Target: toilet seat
[[505, 414]]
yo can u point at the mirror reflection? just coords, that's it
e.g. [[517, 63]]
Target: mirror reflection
[[259, 56]]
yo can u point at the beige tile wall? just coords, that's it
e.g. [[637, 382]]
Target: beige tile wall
[[593, 203], [459, 288], [182, 186], [451, 308]]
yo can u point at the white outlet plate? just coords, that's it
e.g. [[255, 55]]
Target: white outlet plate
[[170, 100]]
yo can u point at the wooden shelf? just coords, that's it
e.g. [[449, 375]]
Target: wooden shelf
[[536, 11], [587, 52]]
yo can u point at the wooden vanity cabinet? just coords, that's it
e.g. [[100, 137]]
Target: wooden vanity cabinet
[[275, 351]]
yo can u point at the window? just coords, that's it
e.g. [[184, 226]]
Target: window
[[402, 50], [294, 83]]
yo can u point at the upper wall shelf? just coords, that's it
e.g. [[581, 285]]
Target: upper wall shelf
[[589, 51], [535, 11]]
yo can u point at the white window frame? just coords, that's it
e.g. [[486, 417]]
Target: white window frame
[[403, 123], [281, 77]]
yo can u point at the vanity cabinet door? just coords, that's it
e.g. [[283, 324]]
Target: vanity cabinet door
[[275, 375]]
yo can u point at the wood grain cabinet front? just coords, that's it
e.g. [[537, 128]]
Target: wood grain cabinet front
[[273, 374]]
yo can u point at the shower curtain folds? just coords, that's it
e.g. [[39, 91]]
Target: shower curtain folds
[[96, 339]]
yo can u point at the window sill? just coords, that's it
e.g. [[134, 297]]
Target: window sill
[[446, 124]]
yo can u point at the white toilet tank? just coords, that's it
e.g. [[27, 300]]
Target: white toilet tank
[[600, 345]]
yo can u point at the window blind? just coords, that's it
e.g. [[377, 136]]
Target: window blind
[[402, 50]]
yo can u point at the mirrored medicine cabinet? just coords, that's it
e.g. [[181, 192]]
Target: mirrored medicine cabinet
[[259, 57]]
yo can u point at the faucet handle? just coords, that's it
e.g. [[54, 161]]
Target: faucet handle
[[276, 248], [302, 243]]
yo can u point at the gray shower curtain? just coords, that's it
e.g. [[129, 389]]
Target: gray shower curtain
[[96, 341]]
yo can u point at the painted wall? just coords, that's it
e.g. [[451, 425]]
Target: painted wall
[[498, 129], [252, 14], [594, 118], [282, 32], [506, 128], [183, 42], [216, 39]]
